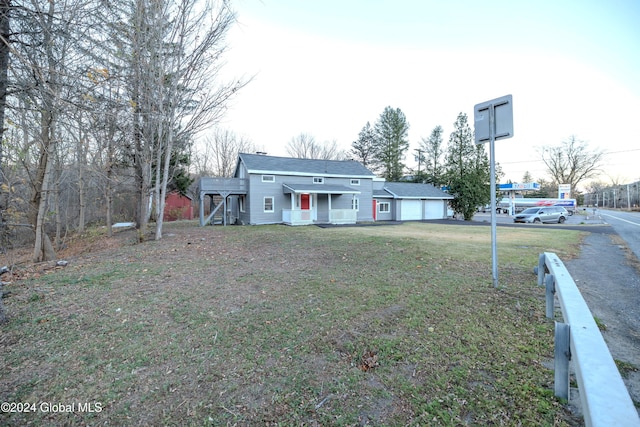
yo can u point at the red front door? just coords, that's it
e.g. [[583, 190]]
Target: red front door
[[304, 202], [375, 204]]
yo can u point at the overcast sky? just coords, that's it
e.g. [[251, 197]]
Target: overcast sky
[[327, 67]]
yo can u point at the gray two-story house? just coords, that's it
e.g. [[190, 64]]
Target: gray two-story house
[[283, 190]]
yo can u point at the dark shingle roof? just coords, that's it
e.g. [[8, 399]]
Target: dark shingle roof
[[258, 163], [382, 194], [409, 190]]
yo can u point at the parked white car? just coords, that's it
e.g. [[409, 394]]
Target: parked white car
[[542, 215]]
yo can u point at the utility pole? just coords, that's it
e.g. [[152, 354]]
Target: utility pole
[[419, 162]]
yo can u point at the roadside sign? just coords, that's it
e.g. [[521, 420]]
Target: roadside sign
[[564, 191], [502, 119], [493, 120]]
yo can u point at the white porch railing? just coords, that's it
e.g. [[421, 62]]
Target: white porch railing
[[305, 217], [297, 217]]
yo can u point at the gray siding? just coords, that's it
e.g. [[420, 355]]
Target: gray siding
[[365, 211], [386, 216], [258, 190]]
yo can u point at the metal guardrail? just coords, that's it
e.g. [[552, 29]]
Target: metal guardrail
[[604, 396]]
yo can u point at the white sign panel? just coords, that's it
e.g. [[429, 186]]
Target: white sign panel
[[564, 191], [502, 110]]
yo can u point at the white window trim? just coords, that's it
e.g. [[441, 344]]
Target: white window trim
[[355, 181], [318, 180], [241, 201], [268, 178], [386, 204], [264, 203]]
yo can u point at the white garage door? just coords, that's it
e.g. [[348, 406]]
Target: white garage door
[[433, 209], [411, 209]]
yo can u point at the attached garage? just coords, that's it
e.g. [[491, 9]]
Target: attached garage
[[415, 201], [410, 210], [434, 209]]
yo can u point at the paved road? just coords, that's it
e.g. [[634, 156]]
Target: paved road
[[627, 225]]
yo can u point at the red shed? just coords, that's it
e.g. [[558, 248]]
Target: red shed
[[177, 206]]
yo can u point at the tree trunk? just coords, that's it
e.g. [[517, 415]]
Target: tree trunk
[[141, 155], [57, 209], [82, 161], [165, 180], [43, 250], [157, 188], [109, 191], [3, 316], [5, 6]]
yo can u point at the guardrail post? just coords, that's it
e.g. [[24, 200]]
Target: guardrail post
[[561, 358], [550, 286], [540, 269]]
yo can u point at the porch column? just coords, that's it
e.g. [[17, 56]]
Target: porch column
[[201, 209], [224, 211]]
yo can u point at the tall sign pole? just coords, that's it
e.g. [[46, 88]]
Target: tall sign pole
[[494, 213], [493, 120]]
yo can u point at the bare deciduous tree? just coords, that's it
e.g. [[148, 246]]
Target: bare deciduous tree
[[191, 97], [571, 162], [104, 97], [217, 155], [304, 146], [39, 74]]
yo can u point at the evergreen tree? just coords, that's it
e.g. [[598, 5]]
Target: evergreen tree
[[364, 147], [391, 131], [468, 172], [433, 149]]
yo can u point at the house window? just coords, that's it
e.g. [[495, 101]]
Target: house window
[[241, 202], [318, 180], [355, 182], [355, 203], [268, 178], [268, 204], [384, 207]]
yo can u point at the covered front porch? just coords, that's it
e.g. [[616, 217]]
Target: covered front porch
[[320, 203]]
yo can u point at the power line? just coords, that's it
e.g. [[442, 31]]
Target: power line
[[622, 151]]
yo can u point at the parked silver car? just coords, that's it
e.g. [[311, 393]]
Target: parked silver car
[[542, 214]]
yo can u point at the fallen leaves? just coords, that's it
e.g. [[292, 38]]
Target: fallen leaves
[[368, 361]]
